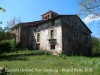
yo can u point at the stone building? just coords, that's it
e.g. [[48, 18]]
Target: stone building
[[56, 33]]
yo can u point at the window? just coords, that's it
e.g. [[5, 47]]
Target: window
[[16, 29], [77, 34], [36, 26], [85, 38], [38, 37], [52, 34], [66, 32], [38, 46], [52, 47], [74, 34], [48, 16]]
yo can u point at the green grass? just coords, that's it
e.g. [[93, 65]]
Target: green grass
[[37, 64]]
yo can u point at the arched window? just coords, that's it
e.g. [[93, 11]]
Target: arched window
[[52, 34]]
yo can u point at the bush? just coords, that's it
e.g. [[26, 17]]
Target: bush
[[95, 45], [5, 46], [9, 45], [13, 44], [40, 52]]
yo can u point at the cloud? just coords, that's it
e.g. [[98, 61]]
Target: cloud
[[90, 18]]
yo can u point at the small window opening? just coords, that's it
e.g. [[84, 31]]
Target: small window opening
[[66, 32], [46, 17], [77, 33], [38, 37], [74, 34], [52, 34], [52, 46]]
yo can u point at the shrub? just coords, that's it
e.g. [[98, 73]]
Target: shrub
[[9, 45], [95, 45], [40, 52], [5, 46], [13, 45]]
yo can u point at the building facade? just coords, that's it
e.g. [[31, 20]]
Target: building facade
[[56, 33]]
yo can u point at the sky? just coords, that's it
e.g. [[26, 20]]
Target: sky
[[31, 10]]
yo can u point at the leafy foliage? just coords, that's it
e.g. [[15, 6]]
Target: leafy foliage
[[13, 44], [26, 52], [95, 45], [9, 45], [5, 34], [2, 9], [5, 46]]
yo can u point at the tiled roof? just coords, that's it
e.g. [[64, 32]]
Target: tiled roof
[[36, 22], [49, 12]]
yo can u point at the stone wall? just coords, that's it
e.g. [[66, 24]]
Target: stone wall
[[25, 29], [44, 31], [71, 44], [32, 40], [70, 35], [21, 32], [17, 31]]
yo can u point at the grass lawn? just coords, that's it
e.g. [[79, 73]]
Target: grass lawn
[[31, 63]]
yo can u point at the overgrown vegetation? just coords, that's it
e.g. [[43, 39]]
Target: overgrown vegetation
[[26, 52], [9, 45], [13, 44], [40, 63], [96, 45], [4, 46], [7, 39], [5, 34]]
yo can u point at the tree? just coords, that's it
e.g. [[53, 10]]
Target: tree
[[95, 45], [14, 21], [0, 22], [89, 7], [2, 9], [5, 34]]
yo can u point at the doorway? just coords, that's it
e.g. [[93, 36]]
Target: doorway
[[38, 46]]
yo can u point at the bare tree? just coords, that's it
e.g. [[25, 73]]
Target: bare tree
[[90, 9], [0, 22], [87, 7], [14, 21]]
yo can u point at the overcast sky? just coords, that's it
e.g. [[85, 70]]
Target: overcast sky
[[31, 10]]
